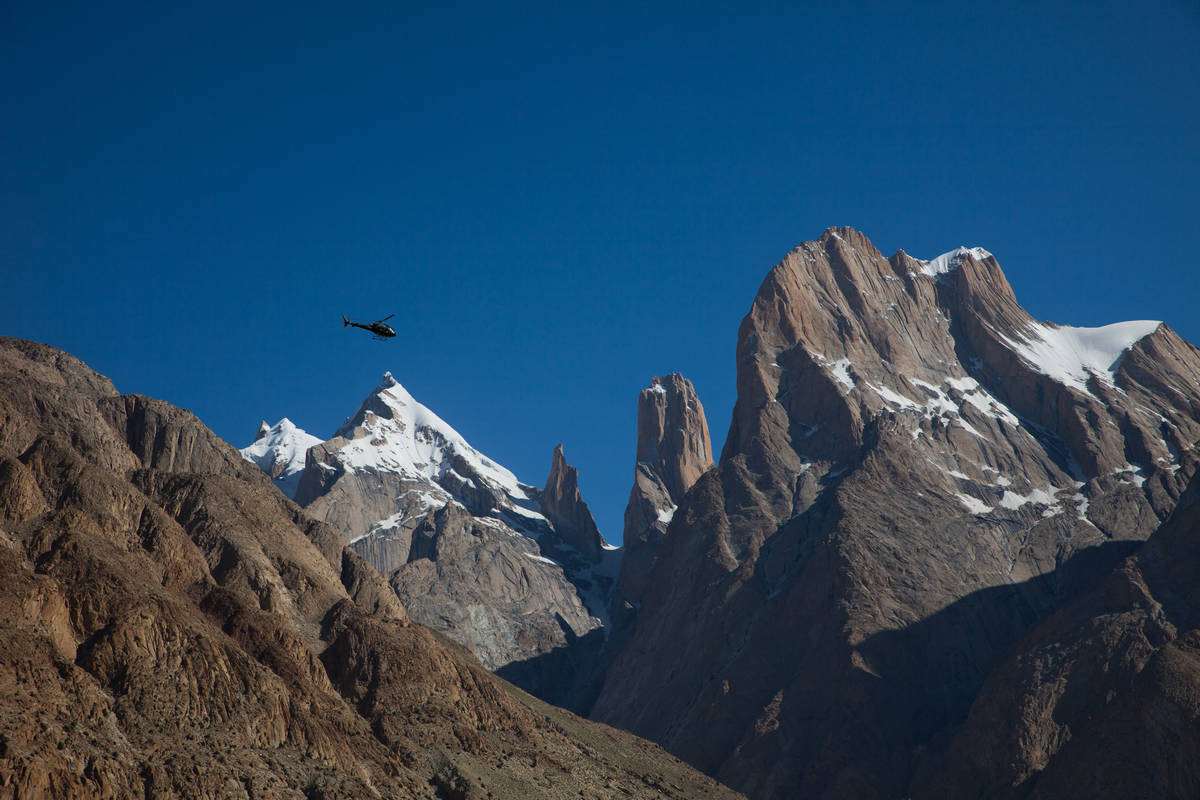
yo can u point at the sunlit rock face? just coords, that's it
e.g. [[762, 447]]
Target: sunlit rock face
[[915, 472], [673, 451]]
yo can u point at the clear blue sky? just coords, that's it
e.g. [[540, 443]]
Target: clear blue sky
[[560, 200]]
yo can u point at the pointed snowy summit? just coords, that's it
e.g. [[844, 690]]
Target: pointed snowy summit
[[392, 432], [279, 451]]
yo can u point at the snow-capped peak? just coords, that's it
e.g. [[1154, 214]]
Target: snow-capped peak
[[948, 262], [393, 432], [279, 451]]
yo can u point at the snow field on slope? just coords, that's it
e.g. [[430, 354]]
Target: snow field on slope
[[939, 402], [948, 262], [1071, 355]]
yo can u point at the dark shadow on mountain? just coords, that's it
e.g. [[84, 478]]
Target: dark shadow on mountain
[[569, 677], [926, 676]]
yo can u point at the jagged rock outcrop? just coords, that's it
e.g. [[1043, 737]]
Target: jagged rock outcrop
[[173, 626], [915, 472], [509, 571], [673, 451], [563, 505]]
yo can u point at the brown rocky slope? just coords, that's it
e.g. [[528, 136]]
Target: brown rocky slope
[[174, 627]]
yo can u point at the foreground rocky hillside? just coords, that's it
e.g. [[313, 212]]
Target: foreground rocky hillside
[[916, 472], [173, 626]]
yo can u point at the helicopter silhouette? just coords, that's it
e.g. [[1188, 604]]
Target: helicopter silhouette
[[379, 327]]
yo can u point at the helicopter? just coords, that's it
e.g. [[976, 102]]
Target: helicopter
[[379, 327]]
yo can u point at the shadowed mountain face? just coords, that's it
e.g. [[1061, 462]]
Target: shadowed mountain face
[[1102, 698], [174, 626], [916, 471]]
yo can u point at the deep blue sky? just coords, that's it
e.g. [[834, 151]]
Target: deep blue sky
[[560, 200]]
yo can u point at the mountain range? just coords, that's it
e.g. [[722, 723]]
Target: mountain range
[[175, 627], [947, 550], [509, 570]]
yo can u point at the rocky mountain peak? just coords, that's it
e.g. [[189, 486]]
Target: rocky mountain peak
[[838, 336], [673, 451], [391, 432], [280, 450], [673, 432], [912, 460], [564, 506]]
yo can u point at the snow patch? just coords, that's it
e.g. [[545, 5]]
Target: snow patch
[[983, 400], [1081, 505], [1072, 355], [841, 372], [1132, 473], [974, 505], [948, 262], [939, 403], [1012, 501], [889, 396]]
